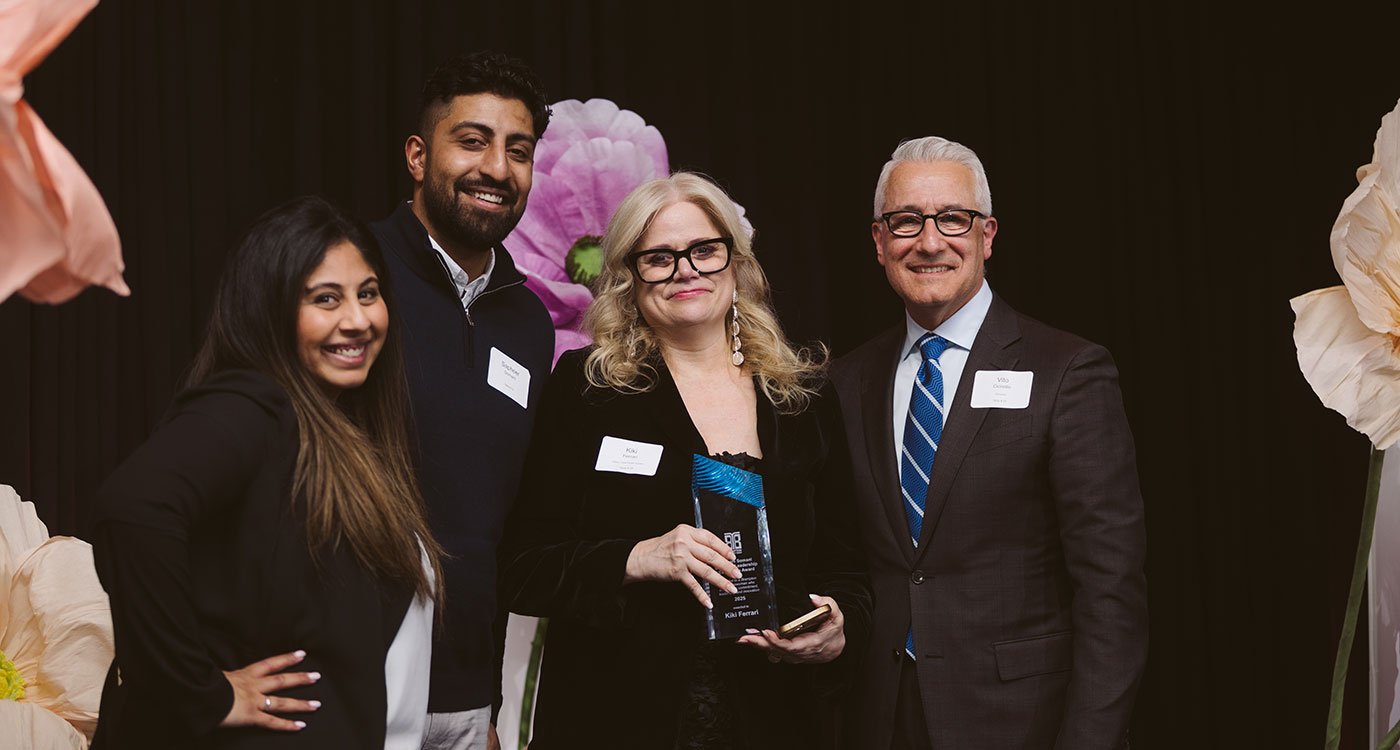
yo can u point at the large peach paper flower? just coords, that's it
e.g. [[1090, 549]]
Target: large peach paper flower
[[1348, 337], [55, 634], [58, 237], [1348, 340]]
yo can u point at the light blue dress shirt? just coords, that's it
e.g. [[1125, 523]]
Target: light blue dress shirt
[[960, 329]]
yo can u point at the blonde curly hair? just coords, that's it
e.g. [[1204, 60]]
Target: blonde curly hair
[[627, 350]]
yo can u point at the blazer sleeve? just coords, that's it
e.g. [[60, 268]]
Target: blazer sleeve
[[197, 463], [1093, 478], [547, 569]]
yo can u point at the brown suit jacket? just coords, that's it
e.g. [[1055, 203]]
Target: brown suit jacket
[[1026, 593]]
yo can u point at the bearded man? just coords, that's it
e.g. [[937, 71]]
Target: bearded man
[[477, 350]]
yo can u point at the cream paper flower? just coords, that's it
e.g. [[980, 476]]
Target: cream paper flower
[[56, 628], [1348, 337]]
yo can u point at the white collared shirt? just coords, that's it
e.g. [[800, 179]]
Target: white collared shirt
[[467, 288], [961, 330]]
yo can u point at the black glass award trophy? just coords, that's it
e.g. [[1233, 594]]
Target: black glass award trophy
[[729, 503]]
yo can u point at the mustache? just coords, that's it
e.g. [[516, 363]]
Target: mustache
[[465, 185]]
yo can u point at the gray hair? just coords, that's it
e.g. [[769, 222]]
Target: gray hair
[[932, 149]]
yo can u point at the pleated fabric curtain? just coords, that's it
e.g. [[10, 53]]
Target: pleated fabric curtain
[[1165, 175]]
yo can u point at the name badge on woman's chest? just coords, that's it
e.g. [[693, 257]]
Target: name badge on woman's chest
[[628, 456]]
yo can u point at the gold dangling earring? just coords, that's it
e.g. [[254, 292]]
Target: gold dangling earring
[[738, 357]]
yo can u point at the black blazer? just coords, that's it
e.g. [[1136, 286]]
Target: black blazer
[[617, 660], [203, 555], [1027, 592]]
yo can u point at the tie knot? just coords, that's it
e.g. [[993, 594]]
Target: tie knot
[[932, 346]]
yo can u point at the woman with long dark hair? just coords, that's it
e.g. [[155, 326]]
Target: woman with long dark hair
[[271, 574]]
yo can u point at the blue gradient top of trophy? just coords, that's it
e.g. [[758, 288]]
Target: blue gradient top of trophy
[[730, 481]]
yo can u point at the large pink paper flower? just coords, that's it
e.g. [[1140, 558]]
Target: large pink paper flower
[[590, 158], [1348, 337], [55, 633]]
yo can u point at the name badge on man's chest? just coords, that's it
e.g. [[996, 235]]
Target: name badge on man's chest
[[509, 377], [1001, 389]]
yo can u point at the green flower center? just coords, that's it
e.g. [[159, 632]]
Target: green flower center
[[584, 260], [11, 681]]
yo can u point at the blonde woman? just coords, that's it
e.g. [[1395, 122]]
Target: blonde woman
[[688, 359]]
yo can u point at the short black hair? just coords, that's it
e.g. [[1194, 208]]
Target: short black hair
[[483, 72]]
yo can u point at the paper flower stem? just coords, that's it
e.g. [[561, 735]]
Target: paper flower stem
[[1390, 739], [1358, 586], [532, 675]]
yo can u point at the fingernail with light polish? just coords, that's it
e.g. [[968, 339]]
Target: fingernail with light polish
[[299, 654], [300, 724], [314, 704], [314, 676]]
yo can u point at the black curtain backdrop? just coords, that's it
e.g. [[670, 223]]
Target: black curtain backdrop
[[1166, 175]]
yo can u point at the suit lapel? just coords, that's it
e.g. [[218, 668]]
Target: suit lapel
[[997, 348], [877, 397]]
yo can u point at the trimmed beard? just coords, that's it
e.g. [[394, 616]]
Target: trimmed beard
[[465, 226]]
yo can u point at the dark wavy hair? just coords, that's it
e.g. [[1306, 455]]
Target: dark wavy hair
[[482, 72], [353, 469]]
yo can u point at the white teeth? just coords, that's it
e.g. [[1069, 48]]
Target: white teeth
[[348, 351], [489, 198]]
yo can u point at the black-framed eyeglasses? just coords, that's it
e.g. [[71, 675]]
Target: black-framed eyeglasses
[[951, 222], [660, 265]]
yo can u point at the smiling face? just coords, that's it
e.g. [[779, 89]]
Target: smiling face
[[933, 274], [342, 320], [472, 173], [688, 300]]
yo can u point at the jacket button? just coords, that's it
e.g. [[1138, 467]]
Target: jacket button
[[897, 654], [917, 577]]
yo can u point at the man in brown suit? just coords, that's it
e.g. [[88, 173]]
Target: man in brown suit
[[998, 487]]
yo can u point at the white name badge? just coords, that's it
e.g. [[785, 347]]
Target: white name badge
[[1001, 389], [628, 457], [509, 377]]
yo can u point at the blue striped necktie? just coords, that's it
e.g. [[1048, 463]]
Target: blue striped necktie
[[923, 429]]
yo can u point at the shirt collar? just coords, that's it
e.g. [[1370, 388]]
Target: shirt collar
[[459, 275], [960, 328]]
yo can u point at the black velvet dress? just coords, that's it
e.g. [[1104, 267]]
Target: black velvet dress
[[625, 662], [710, 719]]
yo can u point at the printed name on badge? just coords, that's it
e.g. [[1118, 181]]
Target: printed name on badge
[[628, 457], [509, 377], [1001, 389]]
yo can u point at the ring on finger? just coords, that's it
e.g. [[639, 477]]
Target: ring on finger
[[267, 703]]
